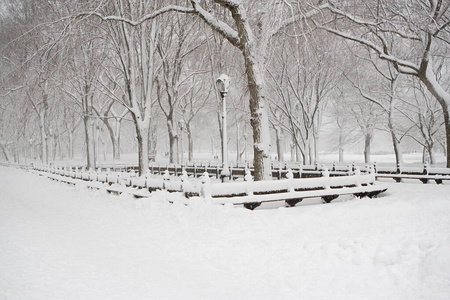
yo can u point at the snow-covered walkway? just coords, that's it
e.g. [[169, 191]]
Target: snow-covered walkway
[[59, 242]]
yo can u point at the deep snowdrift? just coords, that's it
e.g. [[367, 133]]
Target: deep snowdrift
[[63, 242]]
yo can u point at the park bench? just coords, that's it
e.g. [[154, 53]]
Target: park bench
[[425, 175], [290, 190]]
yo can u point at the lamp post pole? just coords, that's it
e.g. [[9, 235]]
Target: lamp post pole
[[223, 82], [181, 126]]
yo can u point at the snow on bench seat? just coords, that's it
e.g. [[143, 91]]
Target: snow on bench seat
[[424, 178], [252, 194], [376, 189], [289, 185]]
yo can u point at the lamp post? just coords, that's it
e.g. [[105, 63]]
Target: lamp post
[[223, 82], [181, 126]]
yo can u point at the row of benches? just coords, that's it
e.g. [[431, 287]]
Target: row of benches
[[425, 175], [248, 193]]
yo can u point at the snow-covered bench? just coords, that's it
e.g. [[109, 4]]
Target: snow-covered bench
[[291, 190], [425, 175], [248, 193]]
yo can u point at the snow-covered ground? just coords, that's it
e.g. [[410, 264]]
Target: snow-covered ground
[[64, 242]]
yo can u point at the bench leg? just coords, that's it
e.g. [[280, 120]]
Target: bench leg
[[329, 198], [293, 202], [252, 205], [375, 193], [360, 195], [424, 180]]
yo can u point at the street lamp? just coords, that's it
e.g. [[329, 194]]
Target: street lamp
[[223, 82]]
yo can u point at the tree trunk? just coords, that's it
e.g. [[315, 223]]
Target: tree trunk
[[259, 120], [279, 145], [395, 142], [397, 148], [44, 147], [367, 144], [116, 149], [89, 140], [60, 147], [292, 146], [5, 152], [173, 141], [115, 138], [341, 146], [316, 148], [341, 154], [238, 157], [254, 67], [71, 147], [190, 143], [142, 138], [429, 149]]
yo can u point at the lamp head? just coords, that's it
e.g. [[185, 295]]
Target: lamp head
[[223, 83]]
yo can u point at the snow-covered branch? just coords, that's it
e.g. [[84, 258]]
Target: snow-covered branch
[[403, 66], [170, 8], [221, 27], [298, 17]]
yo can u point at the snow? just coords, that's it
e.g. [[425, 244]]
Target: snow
[[63, 242]]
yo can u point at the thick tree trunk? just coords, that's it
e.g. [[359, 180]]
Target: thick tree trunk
[[116, 149], [142, 137], [173, 141], [260, 125], [254, 67]]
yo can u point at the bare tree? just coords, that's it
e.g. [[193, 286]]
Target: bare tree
[[191, 103], [302, 80], [135, 49], [388, 28], [175, 46], [426, 117], [380, 88]]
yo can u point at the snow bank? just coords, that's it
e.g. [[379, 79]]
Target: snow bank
[[64, 242]]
